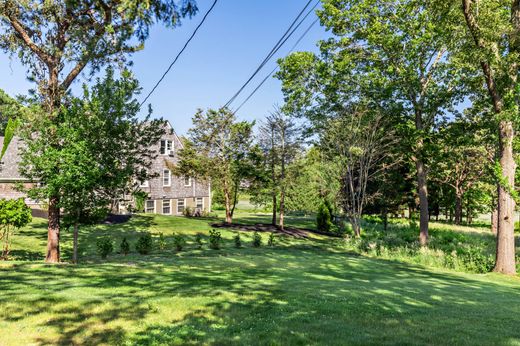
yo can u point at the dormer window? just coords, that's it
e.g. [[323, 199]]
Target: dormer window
[[166, 147]]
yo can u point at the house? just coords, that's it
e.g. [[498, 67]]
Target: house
[[167, 194]]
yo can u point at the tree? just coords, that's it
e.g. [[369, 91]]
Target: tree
[[14, 214], [357, 141], [389, 51], [57, 40], [104, 149], [280, 141], [219, 149], [490, 42], [461, 160]]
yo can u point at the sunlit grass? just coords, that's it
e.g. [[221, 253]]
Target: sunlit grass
[[302, 291]]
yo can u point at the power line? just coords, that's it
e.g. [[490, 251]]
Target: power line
[[288, 33], [180, 52], [276, 67]]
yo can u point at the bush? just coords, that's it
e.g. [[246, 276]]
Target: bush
[[125, 247], [161, 242], [178, 241], [214, 239], [238, 242], [14, 214], [323, 219], [198, 240], [257, 239], [144, 244], [270, 241], [104, 247], [188, 211]]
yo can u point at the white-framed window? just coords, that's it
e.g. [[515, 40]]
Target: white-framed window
[[180, 205], [167, 177], [150, 206], [166, 147], [187, 181], [166, 207], [144, 184], [199, 203]]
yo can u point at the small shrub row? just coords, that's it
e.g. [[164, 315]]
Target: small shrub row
[[144, 243]]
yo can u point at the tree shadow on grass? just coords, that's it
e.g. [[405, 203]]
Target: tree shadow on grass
[[259, 296]]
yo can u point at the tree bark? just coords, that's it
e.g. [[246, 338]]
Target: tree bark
[[53, 232], [505, 256], [75, 244], [282, 208], [273, 220], [423, 201], [458, 209], [227, 202], [356, 226], [494, 221]]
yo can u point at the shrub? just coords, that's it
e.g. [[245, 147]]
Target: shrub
[[144, 244], [104, 247], [257, 239], [14, 214], [323, 219], [214, 239], [125, 247], [198, 240], [188, 211], [161, 242], [270, 241], [178, 241], [238, 242]]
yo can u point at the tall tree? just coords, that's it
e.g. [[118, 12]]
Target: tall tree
[[391, 51], [220, 149], [491, 42], [57, 40], [104, 148], [280, 140]]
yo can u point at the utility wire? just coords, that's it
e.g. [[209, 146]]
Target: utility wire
[[273, 51], [179, 54], [275, 68]]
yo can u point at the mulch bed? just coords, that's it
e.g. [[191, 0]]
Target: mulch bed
[[114, 219]]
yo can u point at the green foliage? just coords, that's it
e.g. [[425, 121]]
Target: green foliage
[[178, 242], [198, 240], [104, 246], [161, 243], [215, 239], [257, 239], [8, 136], [237, 241], [139, 198], [323, 219], [144, 244], [124, 247], [270, 240], [188, 211], [14, 214]]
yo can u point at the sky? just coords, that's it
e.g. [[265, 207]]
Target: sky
[[235, 38]]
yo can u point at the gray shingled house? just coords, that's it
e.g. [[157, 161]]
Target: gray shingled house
[[167, 194]]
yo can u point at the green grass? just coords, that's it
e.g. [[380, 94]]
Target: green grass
[[298, 292]]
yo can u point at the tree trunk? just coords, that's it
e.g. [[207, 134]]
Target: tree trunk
[[53, 232], [458, 209], [505, 256], [423, 201], [227, 202], [273, 220], [356, 226], [75, 245], [494, 221], [282, 208]]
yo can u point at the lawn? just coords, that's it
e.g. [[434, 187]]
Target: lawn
[[301, 291]]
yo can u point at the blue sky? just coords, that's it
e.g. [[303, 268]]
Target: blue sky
[[235, 38]]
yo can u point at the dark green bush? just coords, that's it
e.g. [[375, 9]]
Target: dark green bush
[[257, 239], [104, 247], [144, 244], [214, 239], [178, 241], [198, 240], [270, 240], [323, 219], [124, 247], [238, 241]]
